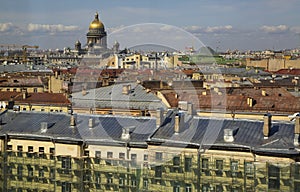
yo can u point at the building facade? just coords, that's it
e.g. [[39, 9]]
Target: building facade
[[55, 152]]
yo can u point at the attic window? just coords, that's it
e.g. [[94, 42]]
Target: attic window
[[16, 81]]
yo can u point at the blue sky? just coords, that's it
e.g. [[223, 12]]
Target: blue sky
[[221, 24]]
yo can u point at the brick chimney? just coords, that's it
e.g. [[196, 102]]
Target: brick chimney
[[159, 117], [267, 125], [91, 122], [179, 122], [297, 130], [72, 121]]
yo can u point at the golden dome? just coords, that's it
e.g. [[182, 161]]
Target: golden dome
[[96, 24]]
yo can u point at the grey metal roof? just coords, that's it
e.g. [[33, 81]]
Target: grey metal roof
[[112, 97], [106, 128], [209, 132]]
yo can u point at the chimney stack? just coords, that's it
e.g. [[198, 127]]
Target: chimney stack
[[72, 121], [176, 126], [190, 109], [84, 92], [25, 94], [179, 122], [91, 122], [297, 130], [267, 125], [44, 127], [126, 89], [159, 117]]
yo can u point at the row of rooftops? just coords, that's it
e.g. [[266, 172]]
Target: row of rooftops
[[172, 128]]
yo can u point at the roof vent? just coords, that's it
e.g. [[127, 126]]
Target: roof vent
[[44, 127], [126, 132], [229, 135]]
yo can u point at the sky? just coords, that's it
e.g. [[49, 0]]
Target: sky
[[220, 24]]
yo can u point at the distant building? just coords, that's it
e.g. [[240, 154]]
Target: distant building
[[118, 99]]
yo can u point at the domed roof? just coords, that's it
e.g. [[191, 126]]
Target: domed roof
[[96, 24]]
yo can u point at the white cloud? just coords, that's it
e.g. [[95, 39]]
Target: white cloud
[[4, 27], [51, 28], [213, 29], [275, 29], [219, 29]]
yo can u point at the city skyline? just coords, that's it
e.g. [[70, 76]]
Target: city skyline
[[222, 25]]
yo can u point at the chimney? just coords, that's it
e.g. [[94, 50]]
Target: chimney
[[25, 94], [179, 122], [84, 92], [126, 131], [126, 89], [190, 109], [91, 122], [72, 121], [264, 93], [297, 130], [159, 117], [176, 126], [228, 135], [267, 125], [250, 101], [44, 127]]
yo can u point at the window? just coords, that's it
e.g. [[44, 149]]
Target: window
[[187, 164], [133, 159], [97, 178], [122, 180], [41, 173], [97, 154], [234, 166], [65, 187], [97, 157], [20, 172], [86, 153], [35, 90], [204, 163], [30, 171], [145, 157], [52, 151], [274, 177], [188, 188], [66, 164], [219, 164], [158, 156], [109, 155], [30, 149], [87, 176], [9, 147], [249, 168], [121, 155], [176, 188], [145, 183], [20, 149], [109, 179], [52, 173], [158, 171], [133, 182], [176, 161]]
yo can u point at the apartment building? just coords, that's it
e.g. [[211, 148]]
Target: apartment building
[[175, 151]]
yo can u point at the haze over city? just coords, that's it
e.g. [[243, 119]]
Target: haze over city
[[232, 24]]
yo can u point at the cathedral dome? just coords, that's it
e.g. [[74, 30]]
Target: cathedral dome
[[96, 23]]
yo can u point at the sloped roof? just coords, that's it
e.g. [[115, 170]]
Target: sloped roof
[[209, 132], [112, 97]]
